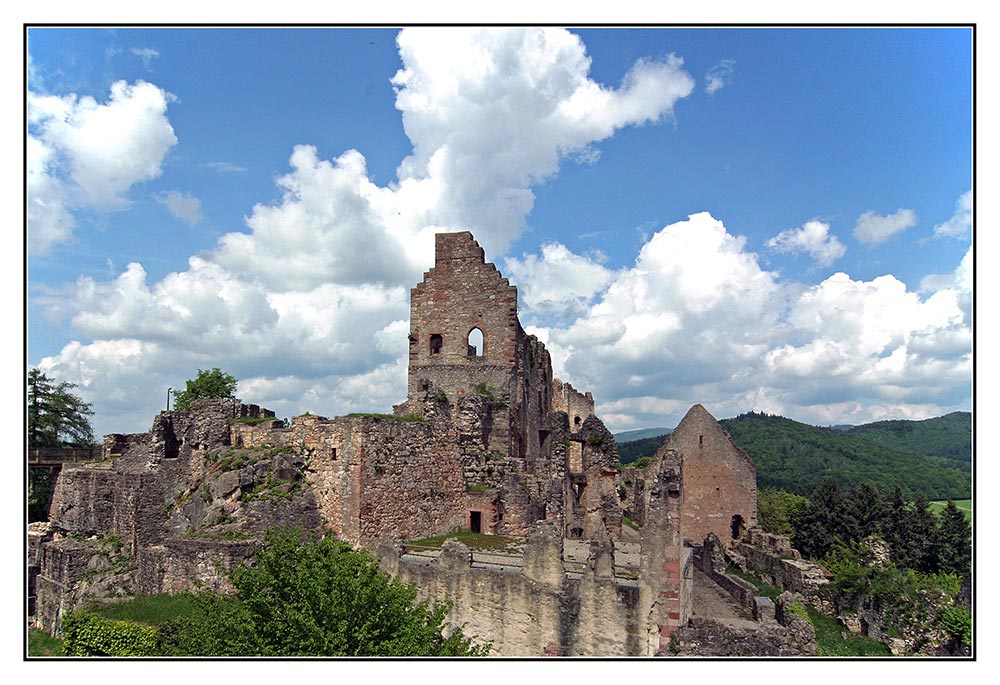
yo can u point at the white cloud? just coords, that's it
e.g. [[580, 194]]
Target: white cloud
[[183, 206], [225, 167], [697, 320], [492, 111], [146, 55], [326, 269], [960, 224], [309, 307], [85, 154], [718, 76], [874, 228], [812, 238], [559, 283]]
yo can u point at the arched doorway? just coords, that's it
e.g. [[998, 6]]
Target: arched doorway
[[738, 526]]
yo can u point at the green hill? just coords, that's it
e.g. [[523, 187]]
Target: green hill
[[792, 455], [640, 434], [947, 437], [631, 450]]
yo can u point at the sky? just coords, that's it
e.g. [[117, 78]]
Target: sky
[[754, 219]]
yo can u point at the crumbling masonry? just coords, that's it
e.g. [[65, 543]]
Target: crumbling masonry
[[487, 440]]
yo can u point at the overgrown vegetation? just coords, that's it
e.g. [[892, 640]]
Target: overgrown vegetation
[[832, 638], [300, 596], [484, 390], [915, 588]]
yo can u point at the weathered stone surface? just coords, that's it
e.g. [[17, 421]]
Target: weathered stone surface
[[704, 637]]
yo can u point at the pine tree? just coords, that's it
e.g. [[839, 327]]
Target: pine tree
[[924, 536], [864, 510], [953, 544], [819, 525], [898, 530], [56, 418]]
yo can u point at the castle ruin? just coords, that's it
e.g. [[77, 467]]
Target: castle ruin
[[487, 440]]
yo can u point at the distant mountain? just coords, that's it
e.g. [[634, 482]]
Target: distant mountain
[[628, 436], [931, 457], [948, 437]]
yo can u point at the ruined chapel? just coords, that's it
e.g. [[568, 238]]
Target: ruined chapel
[[487, 440]]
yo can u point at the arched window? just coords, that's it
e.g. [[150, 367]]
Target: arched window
[[436, 342], [476, 343]]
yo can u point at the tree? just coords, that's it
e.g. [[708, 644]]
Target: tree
[[319, 597], [776, 509], [819, 524], [212, 383], [953, 541], [56, 418], [864, 510]]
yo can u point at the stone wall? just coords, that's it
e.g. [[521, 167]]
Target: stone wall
[[666, 587], [772, 558], [535, 610], [577, 405]]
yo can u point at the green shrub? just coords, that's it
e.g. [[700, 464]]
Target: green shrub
[[87, 634], [957, 622]]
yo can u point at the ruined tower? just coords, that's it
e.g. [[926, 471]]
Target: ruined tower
[[465, 338]]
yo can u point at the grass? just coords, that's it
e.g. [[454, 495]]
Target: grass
[[41, 643], [151, 610], [963, 505], [769, 591], [833, 639], [480, 541]]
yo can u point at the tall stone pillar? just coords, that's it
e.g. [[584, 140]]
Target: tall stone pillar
[[661, 582]]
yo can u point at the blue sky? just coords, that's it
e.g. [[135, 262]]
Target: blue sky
[[753, 219]]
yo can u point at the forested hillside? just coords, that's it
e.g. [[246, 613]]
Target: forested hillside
[[948, 437], [629, 451], [792, 455]]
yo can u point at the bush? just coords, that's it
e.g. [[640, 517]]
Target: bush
[[957, 622], [87, 634], [315, 597]]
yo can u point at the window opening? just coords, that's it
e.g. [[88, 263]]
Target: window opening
[[436, 342], [476, 343]]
